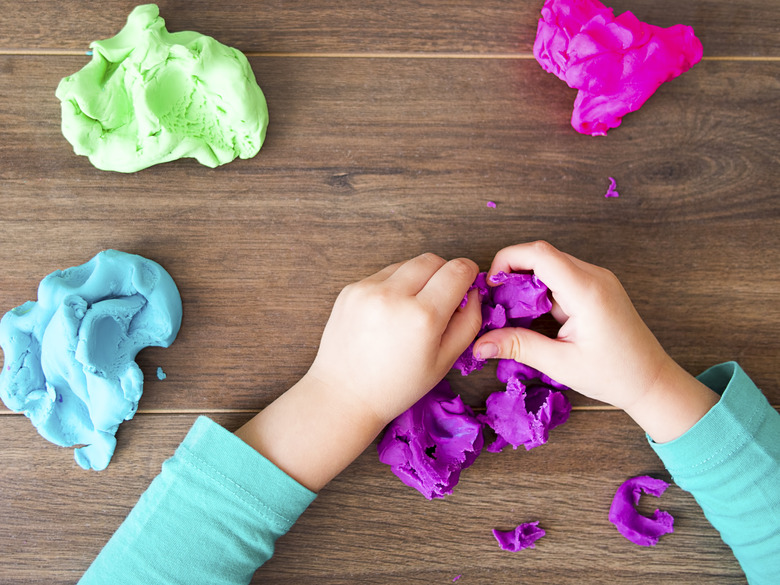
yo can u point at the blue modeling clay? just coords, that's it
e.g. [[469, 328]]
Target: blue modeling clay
[[69, 360]]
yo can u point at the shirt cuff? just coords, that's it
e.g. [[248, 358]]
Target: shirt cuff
[[244, 472], [723, 431]]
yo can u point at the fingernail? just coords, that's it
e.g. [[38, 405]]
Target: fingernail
[[487, 351]]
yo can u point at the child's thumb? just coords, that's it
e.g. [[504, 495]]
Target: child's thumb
[[522, 345]]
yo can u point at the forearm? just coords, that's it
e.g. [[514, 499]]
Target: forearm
[[311, 432]]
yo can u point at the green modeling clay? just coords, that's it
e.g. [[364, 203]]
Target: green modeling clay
[[149, 96]]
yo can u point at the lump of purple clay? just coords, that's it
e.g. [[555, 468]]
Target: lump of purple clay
[[507, 369], [634, 526], [515, 302], [428, 445], [522, 537], [524, 415]]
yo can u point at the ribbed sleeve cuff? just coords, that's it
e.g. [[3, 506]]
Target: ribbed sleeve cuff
[[723, 431], [241, 470]]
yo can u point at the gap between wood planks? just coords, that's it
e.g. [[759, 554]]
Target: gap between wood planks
[[187, 411], [369, 55]]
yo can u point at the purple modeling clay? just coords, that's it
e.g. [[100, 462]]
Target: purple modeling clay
[[524, 415], [516, 302], [508, 369], [634, 526], [522, 537], [616, 63], [612, 189], [428, 445]]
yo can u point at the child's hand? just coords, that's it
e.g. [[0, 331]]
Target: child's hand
[[392, 336], [603, 349]]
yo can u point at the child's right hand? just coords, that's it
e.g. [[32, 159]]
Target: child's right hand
[[603, 349]]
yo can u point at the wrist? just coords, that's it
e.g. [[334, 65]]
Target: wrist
[[311, 432], [673, 404]]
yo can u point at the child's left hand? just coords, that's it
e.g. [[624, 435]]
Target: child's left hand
[[392, 336]]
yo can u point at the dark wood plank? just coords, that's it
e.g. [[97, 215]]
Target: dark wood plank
[[260, 248], [464, 26], [366, 527]]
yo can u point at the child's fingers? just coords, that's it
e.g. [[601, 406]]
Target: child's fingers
[[525, 346], [412, 275], [554, 268], [383, 274], [462, 328], [445, 290], [558, 313]]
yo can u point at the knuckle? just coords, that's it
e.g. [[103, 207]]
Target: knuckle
[[514, 348], [543, 247], [463, 267], [432, 258]]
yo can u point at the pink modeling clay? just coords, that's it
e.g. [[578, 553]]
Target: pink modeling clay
[[522, 537], [616, 63], [524, 415], [612, 189], [634, 526], [428, 445], [491, 204]]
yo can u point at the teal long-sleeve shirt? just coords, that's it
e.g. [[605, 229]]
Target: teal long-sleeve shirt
[[213, 514], [730, 462]]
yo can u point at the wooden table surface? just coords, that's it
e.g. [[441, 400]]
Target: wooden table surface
[[392, 126]]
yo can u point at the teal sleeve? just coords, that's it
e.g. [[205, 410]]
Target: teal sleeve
[[211, 516], [730, 462]]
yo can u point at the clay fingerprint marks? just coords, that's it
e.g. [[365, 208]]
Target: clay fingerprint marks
[[616, 63], [149, 96], [69, 357]]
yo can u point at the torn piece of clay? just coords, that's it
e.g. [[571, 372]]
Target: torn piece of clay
[[515, 302], [616, 63], [612, 189], [149, 96], [69, 356], [522, 537], [634, 526], [524, 415], [508, 369], [432, 442], [491, 204]]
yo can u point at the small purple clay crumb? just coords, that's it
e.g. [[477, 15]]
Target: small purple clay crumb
[[491, 204], [456, 578], [612, 189], [522, 537], [634, 526]]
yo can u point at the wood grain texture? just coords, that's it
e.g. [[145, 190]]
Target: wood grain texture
[[396, 157], [366, 527], [351, 26], [392, 125]]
